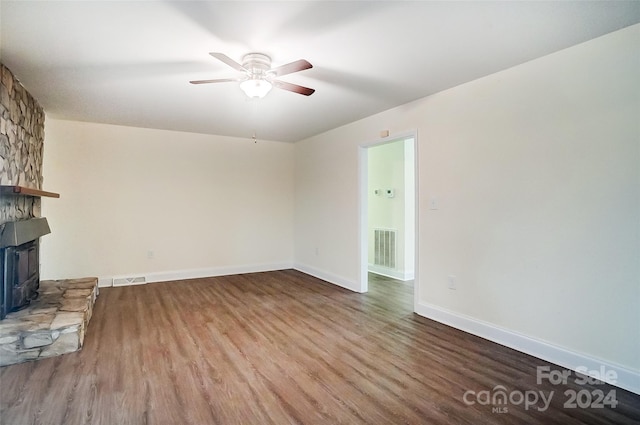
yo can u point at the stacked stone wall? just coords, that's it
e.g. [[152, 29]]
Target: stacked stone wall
[[21, 147]]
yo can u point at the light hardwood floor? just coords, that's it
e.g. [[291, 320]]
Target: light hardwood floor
[[279, 348]]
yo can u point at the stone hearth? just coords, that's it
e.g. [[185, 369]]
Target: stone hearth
[[53, 324]]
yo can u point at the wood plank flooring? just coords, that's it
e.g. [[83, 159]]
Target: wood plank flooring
[[282, 348]]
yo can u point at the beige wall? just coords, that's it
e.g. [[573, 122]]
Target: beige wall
[[199, 202], [536, 171]]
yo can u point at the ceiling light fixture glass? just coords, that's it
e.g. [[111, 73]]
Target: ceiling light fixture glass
[[256, 87]]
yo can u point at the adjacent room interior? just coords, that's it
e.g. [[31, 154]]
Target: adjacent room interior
[[393, 227]]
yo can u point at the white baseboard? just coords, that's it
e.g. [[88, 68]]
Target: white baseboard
[[168, 276], [105, 282], [395, 274], [329, 277], [626, 378]]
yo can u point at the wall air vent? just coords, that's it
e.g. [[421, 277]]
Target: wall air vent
[[385, 248]]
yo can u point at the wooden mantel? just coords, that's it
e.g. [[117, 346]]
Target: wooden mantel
[[26, 191]]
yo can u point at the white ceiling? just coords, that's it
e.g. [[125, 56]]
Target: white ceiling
[[129, 62]]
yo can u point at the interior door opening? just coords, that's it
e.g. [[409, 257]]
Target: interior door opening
[[388, 227]]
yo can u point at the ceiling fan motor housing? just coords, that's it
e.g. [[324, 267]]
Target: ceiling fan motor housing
[[257, 64]]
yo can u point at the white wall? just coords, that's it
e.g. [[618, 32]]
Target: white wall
[[326, 204], [536, 171], [203, 204]]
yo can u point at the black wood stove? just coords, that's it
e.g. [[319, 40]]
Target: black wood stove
[[20, 263]]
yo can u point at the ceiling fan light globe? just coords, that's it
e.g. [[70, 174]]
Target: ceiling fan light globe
[[256, 88]]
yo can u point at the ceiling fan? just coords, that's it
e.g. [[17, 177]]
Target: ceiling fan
[[259, 77]]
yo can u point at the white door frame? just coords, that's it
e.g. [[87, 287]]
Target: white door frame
[[363, 165]]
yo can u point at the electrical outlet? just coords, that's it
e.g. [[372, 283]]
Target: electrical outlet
[[451, 282]]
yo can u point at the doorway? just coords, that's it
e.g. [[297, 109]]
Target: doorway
[[388, 209]]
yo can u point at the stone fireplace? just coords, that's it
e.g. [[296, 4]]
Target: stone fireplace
[[39, 318], [21, 149]]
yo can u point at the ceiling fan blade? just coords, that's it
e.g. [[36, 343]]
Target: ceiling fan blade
[[299, 65], [226, 59], [293, 87], [219, 80]]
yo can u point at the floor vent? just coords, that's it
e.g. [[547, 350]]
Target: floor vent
[[125, 281], [385, 248]]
